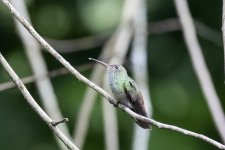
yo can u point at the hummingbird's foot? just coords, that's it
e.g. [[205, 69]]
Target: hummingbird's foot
[[115, 104], [134, 119]]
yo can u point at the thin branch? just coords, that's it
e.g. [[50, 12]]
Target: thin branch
[[164, 26], [88, 102], [120, 48], [38, 65], [55, 123], [35, 106], [140, 70], [157, 27], [95, 87], [208, 33], [173, 128], [48, 47], [51, 74], [74, 45], [223, 31], [110, 123], [200, 67], [118, 42], [173, 24], [82, 123]]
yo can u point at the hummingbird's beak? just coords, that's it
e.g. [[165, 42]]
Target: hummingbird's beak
[[100, 62]]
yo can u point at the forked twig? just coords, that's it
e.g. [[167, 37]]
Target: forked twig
[[35, 106]]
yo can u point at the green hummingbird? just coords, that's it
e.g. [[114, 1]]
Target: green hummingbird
[[125, 90]]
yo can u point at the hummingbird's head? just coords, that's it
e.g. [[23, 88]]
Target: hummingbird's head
[[116, 69], [112, 69]]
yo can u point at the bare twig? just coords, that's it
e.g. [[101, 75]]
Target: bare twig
[[51, 74], [95, 87], [39, 67], [110, 123], [163, 26], [208, 33], [223, 31], [200, 67], [82, 124], [157, 27], [120, 49], [173, 128], [85, 43], [140, 71], [55, 123], [88, 102], [118, 42], [173, 24], [35, 106]]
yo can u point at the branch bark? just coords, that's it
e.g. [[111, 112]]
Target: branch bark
[[173, 24], [97, 88], [115, 48], [140, 70], [120, 48], [35, 106], [110, 122], [158, 27], [81, 127], [40, 77], [173, 128], [200, 67], [82, 124], [38, 65], [223, 31], [81, 44]]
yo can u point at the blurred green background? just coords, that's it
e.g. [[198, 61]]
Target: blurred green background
[[176, 95]]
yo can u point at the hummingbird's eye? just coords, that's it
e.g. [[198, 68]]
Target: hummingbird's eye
[[117, 67]]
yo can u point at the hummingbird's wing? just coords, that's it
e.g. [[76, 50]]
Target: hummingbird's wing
[[135, 98]]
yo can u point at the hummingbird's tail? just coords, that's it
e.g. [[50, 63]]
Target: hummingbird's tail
[[141, 111], [143, 124]]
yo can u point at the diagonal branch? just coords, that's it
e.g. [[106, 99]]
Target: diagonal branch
[[114, 49], [81, 44], [97, 88], [140, 70], [200, 67], [35, 106], [82, 124], [120, 48], [40, 77], [173, 128], [157, 27], [223, 31], [38, 65]]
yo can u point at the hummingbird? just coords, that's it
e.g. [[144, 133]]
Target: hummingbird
[[125, 90]]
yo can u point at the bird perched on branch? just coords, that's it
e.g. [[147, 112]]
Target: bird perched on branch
[[125, 90]]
